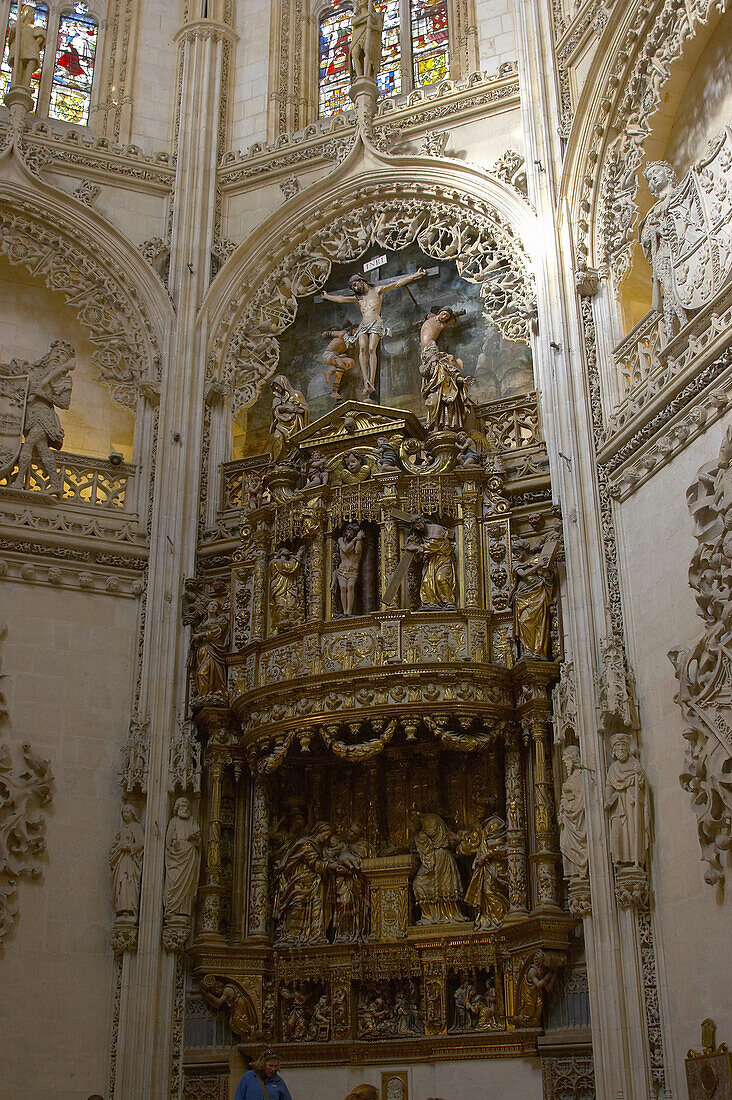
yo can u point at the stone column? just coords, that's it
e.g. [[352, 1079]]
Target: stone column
[[259, 584], [210, 892], [258, 920], [518, 887], [545, 855], [471, 573], [316, 570]]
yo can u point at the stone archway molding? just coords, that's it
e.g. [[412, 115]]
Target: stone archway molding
[[388, 210], [118, 300]]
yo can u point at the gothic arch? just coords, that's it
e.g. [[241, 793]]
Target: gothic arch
[[452, 210], [116, 296], [615, 117]]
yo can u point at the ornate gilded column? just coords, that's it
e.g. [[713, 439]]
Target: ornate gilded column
[[515, 827], [389, 535], [260, 538], [545, 856], [471, 573], [316, 571], [210, 892], [259, 861]]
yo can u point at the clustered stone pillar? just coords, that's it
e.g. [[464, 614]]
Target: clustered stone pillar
[[515, 827]]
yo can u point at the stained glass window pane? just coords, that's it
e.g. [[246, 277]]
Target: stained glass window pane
[[40, 20], [73, 72], [389, 78], [430, 41], [335, 41]]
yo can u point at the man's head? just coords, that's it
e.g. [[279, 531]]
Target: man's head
[[358, 285], [183, 808]]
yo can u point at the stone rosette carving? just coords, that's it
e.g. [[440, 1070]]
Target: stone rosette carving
[[23, 790], [703, 673]]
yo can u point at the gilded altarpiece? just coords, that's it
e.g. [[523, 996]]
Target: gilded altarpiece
[[381, 874]]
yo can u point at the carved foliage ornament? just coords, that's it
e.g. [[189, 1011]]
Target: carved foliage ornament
[[109, 310], [23, 790], [705, 679], [483, 247]]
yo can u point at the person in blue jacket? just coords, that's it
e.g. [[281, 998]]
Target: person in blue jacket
[[262, 1081]]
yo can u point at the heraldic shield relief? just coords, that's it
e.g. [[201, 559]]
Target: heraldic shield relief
[[691, 225], [13, 399]]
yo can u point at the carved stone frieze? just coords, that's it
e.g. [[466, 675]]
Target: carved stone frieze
[[568, 1075], [135, 752], [24, 789], [703, 673]]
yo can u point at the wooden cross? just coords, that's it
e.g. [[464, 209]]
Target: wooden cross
[[405, 561]]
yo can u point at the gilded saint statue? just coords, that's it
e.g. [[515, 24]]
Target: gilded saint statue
[[349, 891], [182, 860], [207, 658], [536, 982], [285, 606], [25, 45], [347, 572], [438, 585], [367, 27], [125, 862], [368, 334], [486, 892], [445, 388], [436, 885], [301, 875], [572, 817], [532, 596], [290, 414], [628, 803]]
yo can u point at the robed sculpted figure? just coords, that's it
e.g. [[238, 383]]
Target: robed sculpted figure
[[284, 589], [182, 860], [486, 891], [208, 652], [125, 862], [445, 389], [300, 895], [367, 26], [628, 804], [532, 596], [438, 586], [572, 817], [25, 43], [290, 414], [437, 887]]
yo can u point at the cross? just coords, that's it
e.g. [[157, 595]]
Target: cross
[[404, 563]]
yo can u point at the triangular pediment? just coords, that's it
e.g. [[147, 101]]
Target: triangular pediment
[[357, 422]]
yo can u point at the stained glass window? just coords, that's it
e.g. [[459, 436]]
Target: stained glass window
[[73, 71], [422, 57], [335, 41], [40, 20], [430, 49]]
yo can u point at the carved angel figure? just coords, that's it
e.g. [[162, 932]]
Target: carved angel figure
[[125, 862], [290, 414], [353, 468], [436, 886], [628, 804], [657, 233], [182, 860], [438, 586], [26, 42], [445, 388], [572, 818], [49, 388]]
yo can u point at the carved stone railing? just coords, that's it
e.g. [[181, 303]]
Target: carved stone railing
[[91, 482], [674, 391]]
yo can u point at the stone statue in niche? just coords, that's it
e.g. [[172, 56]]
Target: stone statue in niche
[[353, 469], [658, 231], [285, 605], [532, 596], [25, 43], [572, 817], [486, 892], [347, 571], [207, 657], [438, 584], [445, 388], [368, 334], [182, 860], [125, 862], [290, 414], [436, 886], [337, 358], [367, 27], [627, 799], [30, 393]]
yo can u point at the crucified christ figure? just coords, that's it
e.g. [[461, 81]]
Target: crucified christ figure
[[372, 328]]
